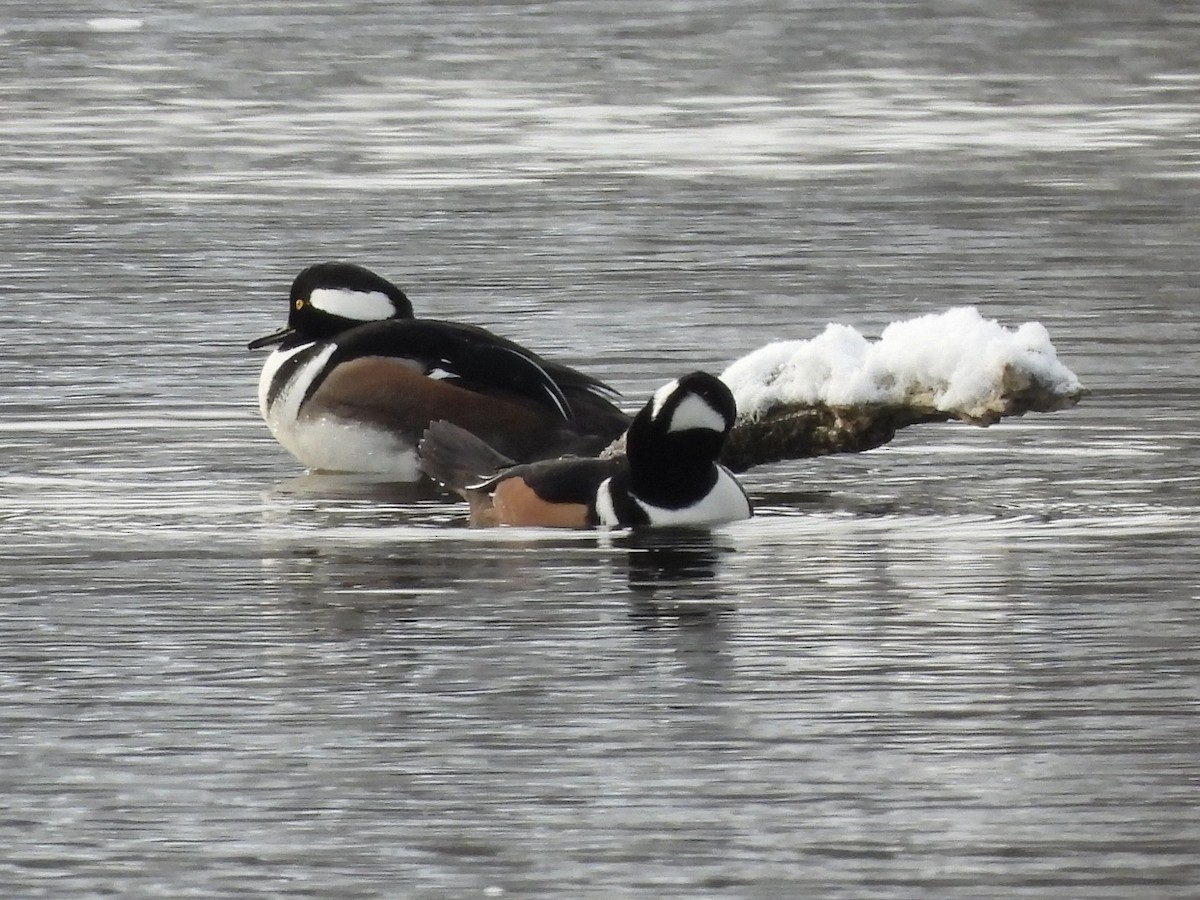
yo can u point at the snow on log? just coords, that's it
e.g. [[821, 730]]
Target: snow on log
[[841, 392]]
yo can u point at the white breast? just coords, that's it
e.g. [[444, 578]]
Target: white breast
[[325, 442], [726, 502]]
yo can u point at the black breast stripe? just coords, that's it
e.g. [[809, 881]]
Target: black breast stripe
[[287, 371]]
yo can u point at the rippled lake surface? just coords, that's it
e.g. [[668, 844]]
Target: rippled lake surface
[[963, 665]]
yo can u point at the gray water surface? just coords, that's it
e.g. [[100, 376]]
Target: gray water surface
[[963, 665]]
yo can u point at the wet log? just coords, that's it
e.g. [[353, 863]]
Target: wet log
[[802, 430]]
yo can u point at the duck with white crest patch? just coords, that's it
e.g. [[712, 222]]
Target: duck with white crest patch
[[669, 474], [355, 379]]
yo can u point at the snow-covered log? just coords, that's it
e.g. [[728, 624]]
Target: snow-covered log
[[841, 392]]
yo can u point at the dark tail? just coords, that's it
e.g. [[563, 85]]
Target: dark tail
[[456, 458]]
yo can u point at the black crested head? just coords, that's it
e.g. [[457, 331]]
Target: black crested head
[[697, 402], [674, 441], [329, 297]]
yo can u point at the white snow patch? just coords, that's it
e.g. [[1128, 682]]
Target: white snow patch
[[954, 361]]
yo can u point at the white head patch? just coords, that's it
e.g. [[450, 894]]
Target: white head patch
[[694, 412], [361, 306], [660, 397]]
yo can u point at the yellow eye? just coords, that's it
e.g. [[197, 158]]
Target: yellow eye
[[299, 304]]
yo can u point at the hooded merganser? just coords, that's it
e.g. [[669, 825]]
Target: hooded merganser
[[669, 474], [355, 380]]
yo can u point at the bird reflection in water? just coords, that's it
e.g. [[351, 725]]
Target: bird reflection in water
[[673, 574], [676, 596], [384, 549]]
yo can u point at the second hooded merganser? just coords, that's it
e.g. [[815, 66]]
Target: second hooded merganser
[[669, 474]]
